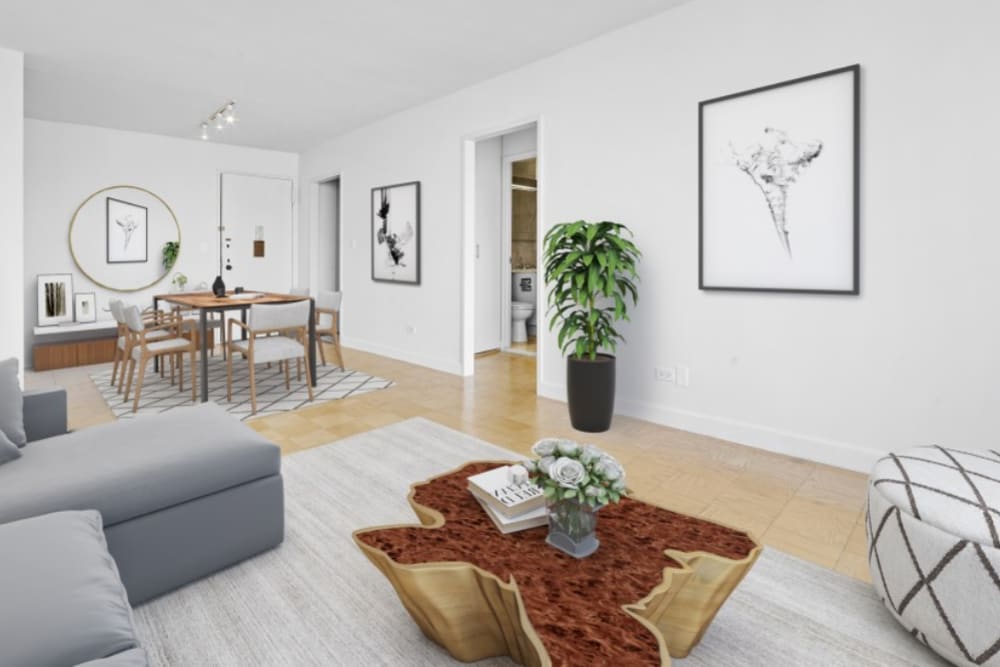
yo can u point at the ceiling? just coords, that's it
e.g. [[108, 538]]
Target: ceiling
[[302, 71]]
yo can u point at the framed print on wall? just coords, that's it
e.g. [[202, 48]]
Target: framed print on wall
[[778, 187], [396, 233], [85, 306], [127, 224], [55, 294]]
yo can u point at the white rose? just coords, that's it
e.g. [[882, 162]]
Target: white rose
[[567, 447], [567, 472], [545, 463], [544, 447], [618, 485], [590, 454]]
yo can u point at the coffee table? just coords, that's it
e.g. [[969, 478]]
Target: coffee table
[[648, 593]]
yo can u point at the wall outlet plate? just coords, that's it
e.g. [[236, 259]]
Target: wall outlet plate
[[665, 374]]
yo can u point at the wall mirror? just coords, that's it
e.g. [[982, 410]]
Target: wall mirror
[[118, 236]]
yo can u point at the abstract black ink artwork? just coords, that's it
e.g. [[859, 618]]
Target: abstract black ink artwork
[[127, 240], [778, 187], [396, 233], [55, 293]]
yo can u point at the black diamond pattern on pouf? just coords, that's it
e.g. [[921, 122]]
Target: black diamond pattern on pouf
[[933, 525], [158, 395]]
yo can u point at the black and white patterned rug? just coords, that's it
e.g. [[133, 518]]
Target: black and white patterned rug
[[158, 395]]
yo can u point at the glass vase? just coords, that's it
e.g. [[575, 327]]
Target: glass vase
[[572, 527]]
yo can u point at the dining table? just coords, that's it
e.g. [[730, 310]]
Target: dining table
[[207, 302]]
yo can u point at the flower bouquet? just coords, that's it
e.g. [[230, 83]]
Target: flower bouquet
[[577, 480]]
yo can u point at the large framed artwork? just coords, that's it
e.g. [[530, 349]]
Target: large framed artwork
[[55, 298], [127, 225], [396, 233], [778, 187]]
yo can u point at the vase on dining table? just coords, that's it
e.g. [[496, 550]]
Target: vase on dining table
[[572, 526], [219, 287]]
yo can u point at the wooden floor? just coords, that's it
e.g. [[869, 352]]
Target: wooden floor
[[806, 509]]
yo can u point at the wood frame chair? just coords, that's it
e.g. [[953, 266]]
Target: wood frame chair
[[122, 346], [142, 350], [291, 322], [328, 324]]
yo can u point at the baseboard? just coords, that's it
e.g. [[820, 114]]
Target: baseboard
[[453, 366], [821, 450]]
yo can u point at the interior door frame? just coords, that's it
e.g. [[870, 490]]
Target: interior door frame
[[467, 306], [313, 228], [507, 244]]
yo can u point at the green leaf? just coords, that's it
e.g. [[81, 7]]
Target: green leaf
[[569, 493]]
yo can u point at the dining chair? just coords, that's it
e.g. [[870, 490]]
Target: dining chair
[[291, 322], [328, 324], [122, 347], [142, 350]]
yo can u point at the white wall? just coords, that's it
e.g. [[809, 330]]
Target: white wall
[[11, 203], [913, 360], [328, 236], [489, 246], [65, 163]]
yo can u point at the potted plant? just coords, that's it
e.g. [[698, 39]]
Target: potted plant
[[590, 268], [171, 249]]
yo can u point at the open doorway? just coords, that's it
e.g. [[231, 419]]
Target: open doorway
[[505, 231], [328, 235]]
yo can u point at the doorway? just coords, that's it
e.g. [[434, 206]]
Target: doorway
[[505, 242], [328, 235]]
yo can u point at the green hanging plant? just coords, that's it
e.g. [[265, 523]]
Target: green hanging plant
[[171, 249], [590, 268]]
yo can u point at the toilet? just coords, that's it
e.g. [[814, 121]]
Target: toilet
[[522, 307]]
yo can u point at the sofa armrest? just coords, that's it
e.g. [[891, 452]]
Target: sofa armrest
[[45, 413]]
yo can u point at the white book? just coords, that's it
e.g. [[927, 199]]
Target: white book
[[531, 519], [494, 488]]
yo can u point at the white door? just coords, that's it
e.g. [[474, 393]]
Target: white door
[[489, 246], [257, 208]]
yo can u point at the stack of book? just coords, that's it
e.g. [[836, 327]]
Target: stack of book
[[510, 504]]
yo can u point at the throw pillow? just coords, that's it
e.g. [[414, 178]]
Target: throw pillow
[[11, 403], [8, 450]]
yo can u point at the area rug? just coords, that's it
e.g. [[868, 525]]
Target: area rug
[[316, 600], [158, 395]]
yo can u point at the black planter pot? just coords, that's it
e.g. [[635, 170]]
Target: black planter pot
[[590, 390]]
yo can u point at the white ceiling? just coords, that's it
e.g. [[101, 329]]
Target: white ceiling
[[302, 71]]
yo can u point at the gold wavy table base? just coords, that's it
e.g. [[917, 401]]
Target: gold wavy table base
[[475, 615]]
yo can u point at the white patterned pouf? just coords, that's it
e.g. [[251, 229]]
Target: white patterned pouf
[[934, 548]]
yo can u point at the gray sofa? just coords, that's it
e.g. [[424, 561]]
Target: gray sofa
[[181, 495]]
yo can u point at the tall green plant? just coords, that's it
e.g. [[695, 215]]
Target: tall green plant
[[590, 268]]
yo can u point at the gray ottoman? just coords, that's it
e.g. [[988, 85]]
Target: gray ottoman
[[934, 548], [63, 603]]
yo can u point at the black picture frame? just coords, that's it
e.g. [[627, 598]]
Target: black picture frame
[[110, 233], [855, 228], [383, 246]]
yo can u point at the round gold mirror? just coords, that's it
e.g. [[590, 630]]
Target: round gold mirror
[[124, 238]]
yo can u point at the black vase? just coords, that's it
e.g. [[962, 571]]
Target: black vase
[[219, 287], [590, 391]]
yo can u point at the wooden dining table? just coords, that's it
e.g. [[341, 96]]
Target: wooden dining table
[[207, 302]]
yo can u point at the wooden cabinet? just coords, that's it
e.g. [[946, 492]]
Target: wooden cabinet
[[49, 356]]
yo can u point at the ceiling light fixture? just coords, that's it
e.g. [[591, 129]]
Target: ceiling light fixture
[[220, 118]]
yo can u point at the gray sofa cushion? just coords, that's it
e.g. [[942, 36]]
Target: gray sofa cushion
[[131, 468], [134, 658], [63, 602], [8, 450], [11, 408]]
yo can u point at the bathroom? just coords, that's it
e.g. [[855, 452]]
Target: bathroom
[[507, 297]]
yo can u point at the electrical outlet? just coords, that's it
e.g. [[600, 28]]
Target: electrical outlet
[[683, 376], [410, 329], [665, 374]]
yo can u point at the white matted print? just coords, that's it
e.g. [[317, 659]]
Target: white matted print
[[85, 306], [396, 233], [778, 187], [55, 298], [127, 232]]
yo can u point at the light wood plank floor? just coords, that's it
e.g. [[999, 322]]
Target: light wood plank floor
[[806, 509]]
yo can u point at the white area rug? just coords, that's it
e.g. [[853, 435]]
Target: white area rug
[[316, 600], [158, 395]]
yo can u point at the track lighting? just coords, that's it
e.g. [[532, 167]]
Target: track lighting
[[220, 118]]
